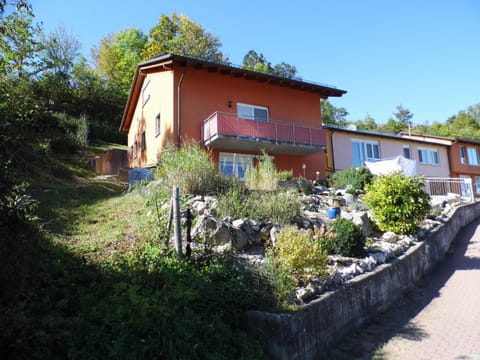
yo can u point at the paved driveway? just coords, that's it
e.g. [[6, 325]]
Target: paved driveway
[[439, 319]]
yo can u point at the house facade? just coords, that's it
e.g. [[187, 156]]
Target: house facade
[[348, 147], [234, 112], [463, 157]]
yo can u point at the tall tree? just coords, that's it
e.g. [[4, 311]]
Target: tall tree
[[60, 52], [117, 56], [286, 70], [333, 115], [258, 62], [368, 123], [182, 36], [19, 44], [20, 5], [403, 117]]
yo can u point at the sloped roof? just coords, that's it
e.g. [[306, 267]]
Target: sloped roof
[[400, 137], [154, 64]]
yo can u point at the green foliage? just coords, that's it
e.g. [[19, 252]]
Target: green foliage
[[189, 167], [263, 176], [67, 134], [179, 35], [285, 175], [306, 187], [349, 238], [351, 177], [117, 56], [398, 203], [297, 254], [258, 62], [332, 115], [234, 202], [280, 206], [325, 237], [76, 289]]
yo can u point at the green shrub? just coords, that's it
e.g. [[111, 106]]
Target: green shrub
[[326, 238], [281, 207], [285, 175], [297, 254], [398, 203], [263, 176], [355, 178], [349, 238], [305, 186], [189, 167], [234, 202]]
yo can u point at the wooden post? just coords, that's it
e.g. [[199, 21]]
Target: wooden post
[[176, 222]]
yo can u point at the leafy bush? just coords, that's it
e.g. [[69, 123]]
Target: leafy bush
[[297, 254], [325, 237], [281, 207], [234, 202], [66, 133], [189, 167], [305, 186], [263, 176], [354, 178], [349, 238], [285, 175], [398, 203]]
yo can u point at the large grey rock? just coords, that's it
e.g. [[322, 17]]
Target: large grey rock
[[212, 231], [359, 218], [240, 239]]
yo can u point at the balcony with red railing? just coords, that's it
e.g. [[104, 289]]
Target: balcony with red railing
[[227, 131]]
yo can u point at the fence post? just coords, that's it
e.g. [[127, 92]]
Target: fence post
[[176, 222]]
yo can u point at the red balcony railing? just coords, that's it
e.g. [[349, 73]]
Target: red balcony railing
[[229, 125]]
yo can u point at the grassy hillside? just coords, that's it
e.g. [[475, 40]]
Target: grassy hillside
[[88, 279]]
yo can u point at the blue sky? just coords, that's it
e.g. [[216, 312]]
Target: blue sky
[[423, 54]]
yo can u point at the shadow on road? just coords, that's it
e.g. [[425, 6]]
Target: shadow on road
[[367, 342]]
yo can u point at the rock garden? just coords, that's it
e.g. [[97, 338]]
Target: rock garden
[[311, 237]]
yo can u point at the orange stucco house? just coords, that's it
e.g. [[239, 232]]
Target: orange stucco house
[[235, 112]]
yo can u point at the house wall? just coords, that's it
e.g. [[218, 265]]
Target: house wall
[[458, 169], [161, 102], [342, 152], [201, 94]]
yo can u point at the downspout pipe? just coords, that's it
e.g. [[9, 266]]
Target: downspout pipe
[[179, 105]]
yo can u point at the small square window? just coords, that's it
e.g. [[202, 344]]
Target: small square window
[[134, 150], [144, 141], [158, 125]]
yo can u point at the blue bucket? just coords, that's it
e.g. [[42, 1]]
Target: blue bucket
[[333, 213]]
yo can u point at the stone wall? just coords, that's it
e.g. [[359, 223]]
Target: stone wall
[[312, 330]]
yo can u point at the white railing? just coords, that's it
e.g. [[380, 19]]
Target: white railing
[[444, 186]]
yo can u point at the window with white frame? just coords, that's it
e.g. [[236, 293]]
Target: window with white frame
[[364, 151], [428, 156], [406, 151], [461, 149], [252, 112], [472, 156], [232, 164]]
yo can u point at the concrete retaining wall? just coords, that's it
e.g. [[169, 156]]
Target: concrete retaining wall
[[311, 331]]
